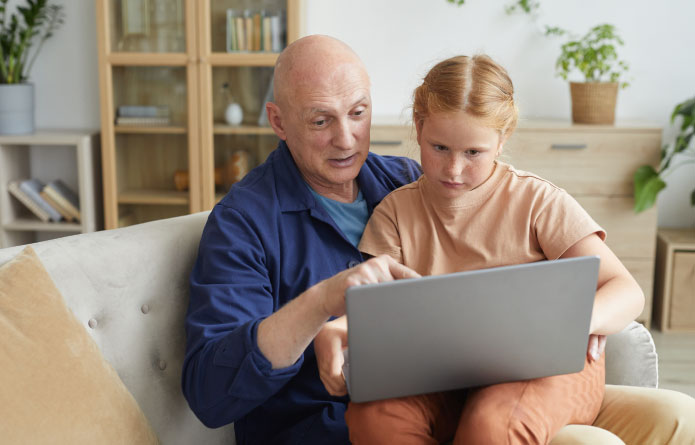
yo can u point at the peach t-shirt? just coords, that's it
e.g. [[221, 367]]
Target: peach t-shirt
[[514, 217]]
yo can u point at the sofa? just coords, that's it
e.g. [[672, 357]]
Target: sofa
[[128, 288]]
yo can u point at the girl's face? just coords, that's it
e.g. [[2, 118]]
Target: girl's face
[[458, 152]]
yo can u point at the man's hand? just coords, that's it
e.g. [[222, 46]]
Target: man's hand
[[329, 345], [597, 344], [376, 270]]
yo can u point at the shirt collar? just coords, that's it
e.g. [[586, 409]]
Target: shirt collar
[[295, 196]]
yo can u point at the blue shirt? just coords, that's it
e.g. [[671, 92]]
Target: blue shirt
[[351, 217], [264, 243]]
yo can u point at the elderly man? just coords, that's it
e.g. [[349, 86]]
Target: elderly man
[[277, 254], [262, 289]]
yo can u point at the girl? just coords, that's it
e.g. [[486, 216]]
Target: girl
[[469, 211]]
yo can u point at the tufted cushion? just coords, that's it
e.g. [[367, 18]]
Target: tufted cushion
[[56, 386], [631, 358]]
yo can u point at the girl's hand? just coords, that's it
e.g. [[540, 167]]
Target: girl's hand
[[597, 344], [328, 346]]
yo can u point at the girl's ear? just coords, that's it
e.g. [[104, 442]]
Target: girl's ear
[[418, 128], [500, 146]]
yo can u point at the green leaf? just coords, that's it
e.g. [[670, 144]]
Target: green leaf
[[647, 185]]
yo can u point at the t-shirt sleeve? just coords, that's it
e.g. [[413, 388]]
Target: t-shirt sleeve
[[562, 222], [381, 234]]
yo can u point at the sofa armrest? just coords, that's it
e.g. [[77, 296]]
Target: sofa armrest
[[631, 358]]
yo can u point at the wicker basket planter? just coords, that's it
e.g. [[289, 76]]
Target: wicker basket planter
[[593, 102]]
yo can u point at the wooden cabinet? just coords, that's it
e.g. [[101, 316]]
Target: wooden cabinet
[[674, 299], [36, 156], [172, 54], [593, 163]]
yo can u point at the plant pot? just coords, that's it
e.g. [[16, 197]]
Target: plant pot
[[16, 108], [593, 102]]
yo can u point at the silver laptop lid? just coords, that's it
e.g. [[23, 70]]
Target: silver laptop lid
[[471, 328]]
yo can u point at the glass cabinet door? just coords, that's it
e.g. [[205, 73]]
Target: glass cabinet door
[[151, 145], [242, 136], [148, 26], [239, 26], [241, 42]]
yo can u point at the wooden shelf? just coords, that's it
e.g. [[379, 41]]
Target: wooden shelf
[[34, 225], [34, 156], [162, 197], [242, 129], [141, 129], [148, 59], [243, 59]]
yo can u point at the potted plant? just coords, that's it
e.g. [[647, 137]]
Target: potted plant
[[595, 56], [31, 24], [648, 182]]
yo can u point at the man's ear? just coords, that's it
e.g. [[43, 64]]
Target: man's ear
[[275, 119]]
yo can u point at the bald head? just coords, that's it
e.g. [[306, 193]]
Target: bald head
[[310, 60]]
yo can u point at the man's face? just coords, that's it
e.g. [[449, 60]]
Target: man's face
[[327, 124]]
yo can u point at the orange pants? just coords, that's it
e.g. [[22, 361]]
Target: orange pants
[[530, 411]]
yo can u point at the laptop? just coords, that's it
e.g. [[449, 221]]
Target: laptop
[[467, 329]]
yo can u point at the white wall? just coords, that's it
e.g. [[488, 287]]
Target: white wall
[[400, 39], [65, 73]]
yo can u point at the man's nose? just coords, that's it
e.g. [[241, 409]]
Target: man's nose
[[343, 137]]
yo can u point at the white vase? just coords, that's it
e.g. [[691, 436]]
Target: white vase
[[16, 108], [234, 114]]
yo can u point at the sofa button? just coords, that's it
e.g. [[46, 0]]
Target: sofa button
[[145, 308], [92, 323], [162, 365], [352, 263]]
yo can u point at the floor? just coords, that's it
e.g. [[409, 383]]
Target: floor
[[676, 351]]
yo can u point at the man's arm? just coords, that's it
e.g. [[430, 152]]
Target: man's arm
[[284, 336], [225, 375], [238, 351]]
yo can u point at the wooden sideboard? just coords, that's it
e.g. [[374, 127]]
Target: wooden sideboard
[[594, 163]]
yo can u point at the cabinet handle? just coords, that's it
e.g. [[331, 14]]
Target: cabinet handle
[[385, 142], [568, 146]]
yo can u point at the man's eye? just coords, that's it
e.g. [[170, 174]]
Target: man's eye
[[440, 148], [358, 112], [320, 123], [473, 152]]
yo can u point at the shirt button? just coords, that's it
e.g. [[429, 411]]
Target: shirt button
[[352, 263]]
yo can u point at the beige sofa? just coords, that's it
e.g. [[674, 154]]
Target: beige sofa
[[129, 289]]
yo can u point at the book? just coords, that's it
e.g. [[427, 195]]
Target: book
[[143, 111], [65, 197], [22, 197], [232, 44], [248, 27], [64, 213], [240, 33], [276, 33], [257, 32], [143, 120], [32, 188], [267, 40]]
